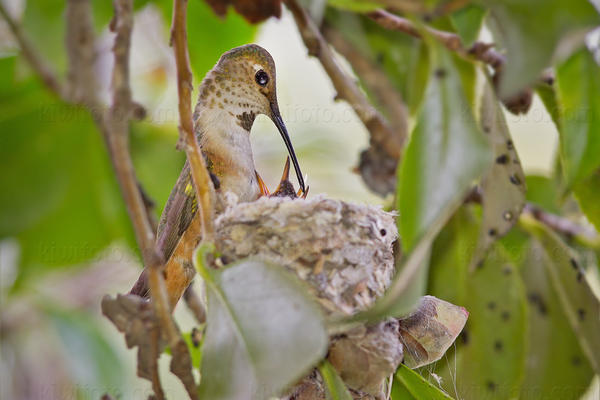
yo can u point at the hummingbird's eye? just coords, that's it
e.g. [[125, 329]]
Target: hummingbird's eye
[[261, 78]]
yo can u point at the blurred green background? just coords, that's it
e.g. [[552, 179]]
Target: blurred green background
[[65, 238]]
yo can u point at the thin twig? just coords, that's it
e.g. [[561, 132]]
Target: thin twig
[[195, 304], [562, 225], [117, 121], [388, 139], [202, 182], [481, 51], [516, 103], [43, 70], [80, 42]]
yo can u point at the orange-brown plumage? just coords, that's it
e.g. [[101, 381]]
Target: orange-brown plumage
[[239, 87]]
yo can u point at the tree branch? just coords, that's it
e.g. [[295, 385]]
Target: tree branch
[[202, 182], [80, 42], [195, 304], [43, 70], [117, 135], [373, 78], [564, 226], [382, 134], [481, 51], [517, 103]]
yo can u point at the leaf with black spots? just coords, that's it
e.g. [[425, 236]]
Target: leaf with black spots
[[580, 304], [503, 187], [552, 342]]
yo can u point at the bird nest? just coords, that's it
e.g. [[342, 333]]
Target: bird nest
[[342, 250]]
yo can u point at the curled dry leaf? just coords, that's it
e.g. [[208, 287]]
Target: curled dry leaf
[[517, 103], [430, 330], [134, 316], [253, 10], [378, 170]]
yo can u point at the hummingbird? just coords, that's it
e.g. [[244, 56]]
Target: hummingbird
[[239, 87]]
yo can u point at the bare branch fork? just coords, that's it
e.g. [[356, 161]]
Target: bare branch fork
[[381, 133], [114, 125], [377, 163]]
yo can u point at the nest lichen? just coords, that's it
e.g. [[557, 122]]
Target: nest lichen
[[342, 250]]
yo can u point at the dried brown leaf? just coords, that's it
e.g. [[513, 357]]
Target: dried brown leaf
[[253, 10], [430, 330]]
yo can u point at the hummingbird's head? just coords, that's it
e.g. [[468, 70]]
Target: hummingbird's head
[[242, 84]]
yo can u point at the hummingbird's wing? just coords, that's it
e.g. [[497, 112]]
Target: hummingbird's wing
[[178, 213]]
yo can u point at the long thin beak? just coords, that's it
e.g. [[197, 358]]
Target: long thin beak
[[276, 117]]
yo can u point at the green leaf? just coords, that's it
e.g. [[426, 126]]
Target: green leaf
[[399, 391], [336, 389], [586, 194], [503, 186], [358, 6], [451, 254], [64, 205], [44, 24], [543, 192], [531, 31], [568, 279], [468, 76], [90, 358], [578, 85], [490, 356], [547, 94], [194, 348], [556, 365], [468, 21], [446, 153], [418, 387], [492, 361], [263, 331]]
